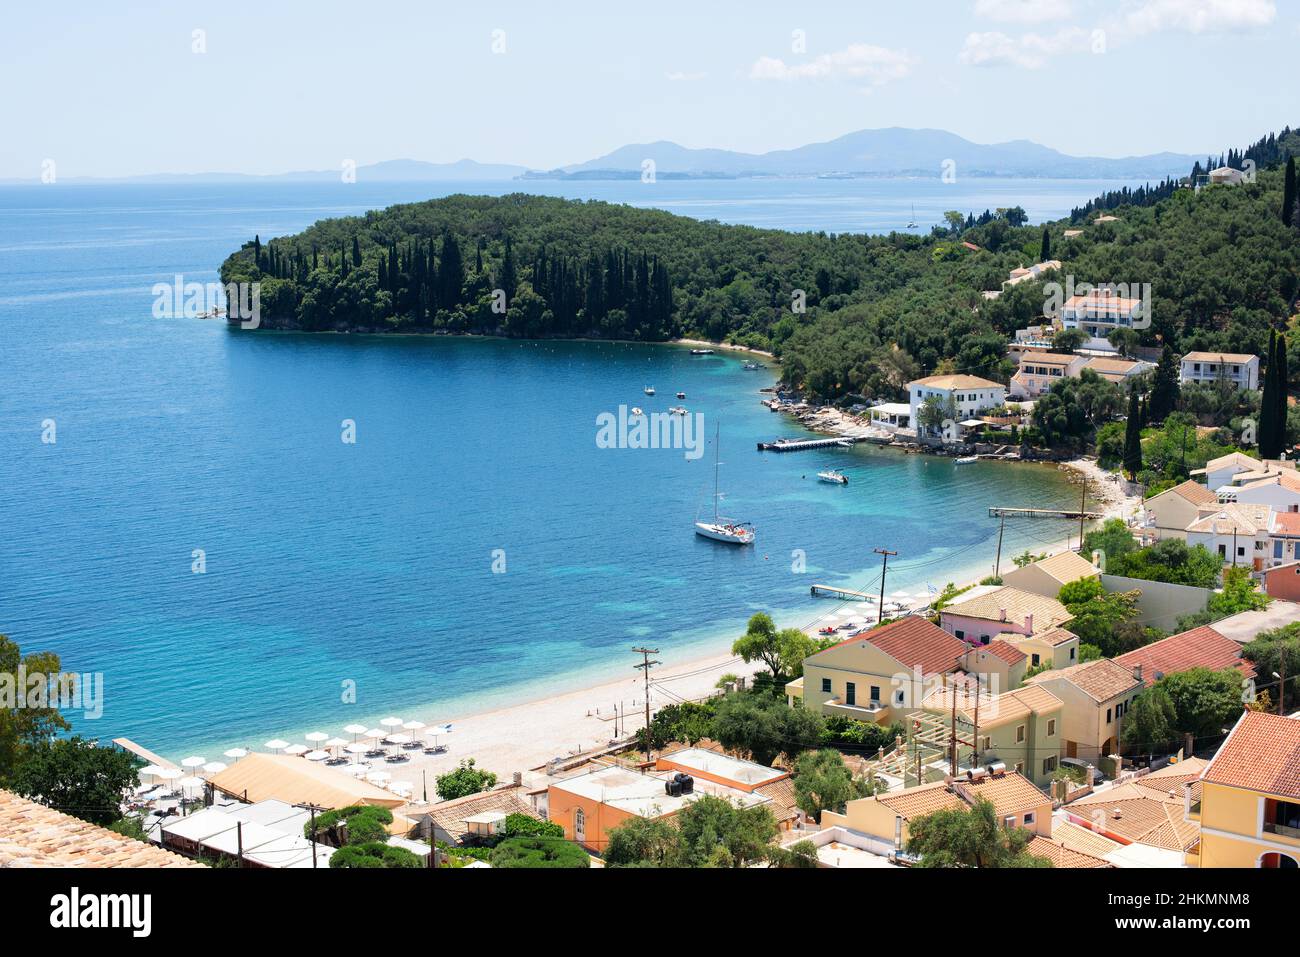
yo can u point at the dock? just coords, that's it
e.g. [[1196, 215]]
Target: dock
[[1071, 513], [845, 593], [803, 445]]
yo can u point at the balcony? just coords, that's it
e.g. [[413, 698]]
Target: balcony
[[1282, 830], [872, 711]]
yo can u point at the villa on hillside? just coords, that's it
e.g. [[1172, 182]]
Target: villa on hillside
[[1100, 312], [963, 397], [1227, 469], [1039, 371], [1241, 369], [1238, 534]]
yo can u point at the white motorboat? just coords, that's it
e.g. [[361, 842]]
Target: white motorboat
[[834, 476], [636, 411], [967, 460], [649, 390], [723, 529], [701, 352]]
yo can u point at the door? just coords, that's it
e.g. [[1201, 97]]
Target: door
[[580, 825], [1071, 749], [850, 693]]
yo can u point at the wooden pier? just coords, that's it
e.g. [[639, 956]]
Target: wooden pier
[[1071, 513], [844, 593], [803, 445]]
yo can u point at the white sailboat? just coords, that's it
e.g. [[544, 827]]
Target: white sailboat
[[723, 529]]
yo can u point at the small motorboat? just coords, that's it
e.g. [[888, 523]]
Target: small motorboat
[[751, 367], [834, 476], [678, 410], [701, 352], [649, 390], [636, 411], [966, 460], [681, 395], [828, 630]]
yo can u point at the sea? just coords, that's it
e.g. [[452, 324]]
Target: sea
[[246, 535]]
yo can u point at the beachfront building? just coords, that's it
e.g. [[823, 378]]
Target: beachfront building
[[960, 398], [879, 676], [1039, 371], [1020, 729], [1169, 513], [1055, 648], [1241, 369], [986, 612], [1048, 575], [283, 777], [1201, 647], [266, 834], [885, 817], [891, 416], [1239, 469], [471, 819], [1249, 809], [1096, 694], [1241, 535], [1100, 312], [588, 806]]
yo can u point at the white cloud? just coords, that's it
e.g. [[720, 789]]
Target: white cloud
[[1029, 51], [1024, 11], [677, 76], [859, 61], [1198, 16]]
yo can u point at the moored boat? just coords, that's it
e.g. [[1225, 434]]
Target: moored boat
[[966, 460], [723, 529], [834, 476]]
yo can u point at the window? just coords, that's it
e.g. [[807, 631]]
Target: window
[[1033, 661], [1241, 551], [959, 634], [826, 685], [1029, 818], [1049, 764], [579, 824], [984, 639], [1108, 715], [850, 693], [1020, 733], [898, 697], [1072, 651], [1051, 727], [875, 694]]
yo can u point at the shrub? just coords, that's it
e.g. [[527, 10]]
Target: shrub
[[538, 852], [374, 854]]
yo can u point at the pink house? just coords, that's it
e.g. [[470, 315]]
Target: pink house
[[988, 611]]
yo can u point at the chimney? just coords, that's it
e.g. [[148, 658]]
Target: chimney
[[1137, 671], [1003, 612], [1029, 623], [517, 778]]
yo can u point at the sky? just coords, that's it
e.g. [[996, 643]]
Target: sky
[[263, 87]]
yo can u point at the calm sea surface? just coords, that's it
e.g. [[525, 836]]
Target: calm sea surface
[[380, 562]]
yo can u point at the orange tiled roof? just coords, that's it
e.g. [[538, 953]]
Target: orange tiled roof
[[1006, 651], [1062, 856], [1082, 839], [919, 801], [1134, 815], [1199, 648], [1010, 794], [33, 835], [1261, 754], [1100, 680], [1192, 491], [917, 643]]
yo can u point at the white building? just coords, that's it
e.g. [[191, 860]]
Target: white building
[[1240, 535], [963, 397], [1238, 368], [1237, 468], [1279, 490], [1039, 371], [1100, 312], [1027, 273]]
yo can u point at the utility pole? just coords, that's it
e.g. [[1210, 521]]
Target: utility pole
[[1083, 506], [952, 731], [645, 666], [997, 562], [884, 553], [975, 740], [313, 809], [1234, 546]]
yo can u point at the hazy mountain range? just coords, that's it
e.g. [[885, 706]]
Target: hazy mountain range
[[894, 151]]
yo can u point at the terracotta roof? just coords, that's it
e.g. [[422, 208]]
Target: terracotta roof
[[1018, 605], [919, 801], [1100, 680], [956, 381], [1066, 567], [1120, 367], [1261, 754], [1062, 856], [1137, 815], [1053, 636], [33, 835], [781, 791], [917, 643], [1199, 648], [995, 709], [283, 777], [449, 816], [1192, 491], [1048, 358], [1082, 839], [1286, 524], [1246, 462], [1010, 793], [1285, 478], [1006, 651], [1168, 784], [1230, 517]]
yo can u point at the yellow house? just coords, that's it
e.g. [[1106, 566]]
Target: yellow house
[[879, 676], [1016, 802], [1250, 796], [1056, 647], [1021, 729], [1047, 575], [1096, 695], [1002, 664], [1170, 512]]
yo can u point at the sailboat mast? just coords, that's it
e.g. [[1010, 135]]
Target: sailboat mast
[[717, 452]]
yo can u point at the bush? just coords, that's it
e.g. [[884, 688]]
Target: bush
[[523, 825], [374, 854], [465, 780], [538, 852], [366, 823]]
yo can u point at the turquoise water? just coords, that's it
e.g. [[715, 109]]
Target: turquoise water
[[373, 562]]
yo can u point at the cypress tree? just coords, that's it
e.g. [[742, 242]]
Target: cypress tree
[[1164, 389], [1266, 429], [1288, 192], [1133, 437], [1046, 252], [356, 252], [1279, 424], [509, 281]]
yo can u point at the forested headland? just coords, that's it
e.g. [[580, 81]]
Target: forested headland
[[847, 314]]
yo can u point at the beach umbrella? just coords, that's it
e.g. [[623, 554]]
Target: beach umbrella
[[438, 730], [190, 781], [316, 755], [213, 767], [356, 748], [335, 742], [354, 730], [355, 770], [413, 725], [236, 753], [169, 774], [378, 777], [900, 594], [315, 736], [151, 770], [376, 733], [296, 749], [391, 722], [194, 762], [402, 788], [400, 738], [276, 744]]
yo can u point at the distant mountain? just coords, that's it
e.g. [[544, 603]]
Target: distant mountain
[[883, 152]]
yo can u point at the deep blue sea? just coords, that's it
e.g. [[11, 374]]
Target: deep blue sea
[[380, 562]]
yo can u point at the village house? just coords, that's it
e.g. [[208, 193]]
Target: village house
[[1282, 581], [1144, 815], [1048, 575], [1169, 513], [1039, 371], [1117, 370], [1020, 729], [1240, 369], [1241, 535], [1056, 648], [1001, 663], [1096, 694], [1279, 489], [1030, 273], [1100, 312], [961, 397], [878, 676], [1201, 647], [470, 819], [1226, 468], [1249, 806], [986, 613]]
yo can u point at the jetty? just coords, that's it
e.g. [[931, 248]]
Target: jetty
[[846, 593], [997, 511], [803, 445]]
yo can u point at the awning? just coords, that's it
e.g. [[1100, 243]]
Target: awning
[[282, 777]]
